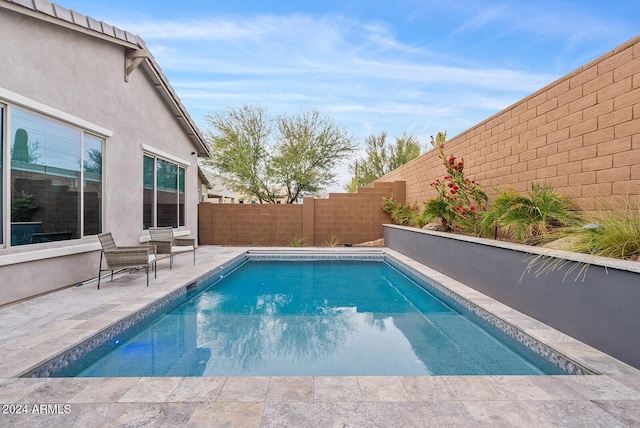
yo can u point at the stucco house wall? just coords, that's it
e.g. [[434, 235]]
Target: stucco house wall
[[64, 65]]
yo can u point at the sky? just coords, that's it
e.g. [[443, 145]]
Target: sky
[[414, 66]]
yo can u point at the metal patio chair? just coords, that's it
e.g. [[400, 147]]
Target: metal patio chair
[[166, 243], [121, 258]]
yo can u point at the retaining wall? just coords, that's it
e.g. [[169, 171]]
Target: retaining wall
[[599, 308]]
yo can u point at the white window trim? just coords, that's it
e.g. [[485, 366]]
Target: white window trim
[[49, 253], [156, 154], [145, 237], [13, 99], [9, 100], [164, 155]]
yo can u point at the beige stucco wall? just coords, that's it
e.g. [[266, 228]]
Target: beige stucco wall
[[83, 76]]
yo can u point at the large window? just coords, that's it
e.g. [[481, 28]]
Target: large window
[[1, 175], [56, 180], [164, 195]]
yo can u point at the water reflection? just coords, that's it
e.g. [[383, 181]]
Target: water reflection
[[304, 319]]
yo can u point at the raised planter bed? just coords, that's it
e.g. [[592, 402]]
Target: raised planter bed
[[600, 307]]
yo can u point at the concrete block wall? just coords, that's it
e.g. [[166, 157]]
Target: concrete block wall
[[355, 217], [579, 134], [351, 217], [249, 224]]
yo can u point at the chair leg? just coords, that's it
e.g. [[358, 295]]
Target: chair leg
[[170, 261], [194, 256], [100, 271], [147, 271]]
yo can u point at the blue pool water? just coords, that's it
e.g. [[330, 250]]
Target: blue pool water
[[311, 318]]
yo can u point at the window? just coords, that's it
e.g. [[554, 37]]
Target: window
[[92, 191], [164, 193], [56, 180], [1, 174]]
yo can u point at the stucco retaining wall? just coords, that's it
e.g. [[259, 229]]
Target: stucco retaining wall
[[599, 308]]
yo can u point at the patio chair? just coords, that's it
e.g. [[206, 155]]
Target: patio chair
[[167, 243], [119, 258]]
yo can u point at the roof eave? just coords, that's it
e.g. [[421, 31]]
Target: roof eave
[[58, 15], [75, 21], [180, 113]]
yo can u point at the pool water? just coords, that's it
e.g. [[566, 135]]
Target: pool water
[[311, 318]]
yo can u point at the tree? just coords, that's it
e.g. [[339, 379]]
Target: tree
[[262, 156], [309, 147], [93, 162], [381, 158]]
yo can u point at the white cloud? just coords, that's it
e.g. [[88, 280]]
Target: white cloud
[[359, 73]]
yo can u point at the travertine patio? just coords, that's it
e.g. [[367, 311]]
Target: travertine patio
[[38, 329]]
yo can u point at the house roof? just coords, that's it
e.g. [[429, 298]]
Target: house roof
[[136, 50], [216, 185], [204, 178]]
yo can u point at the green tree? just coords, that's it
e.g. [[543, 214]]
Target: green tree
[[381, 158], [93, 162], [263, 156]]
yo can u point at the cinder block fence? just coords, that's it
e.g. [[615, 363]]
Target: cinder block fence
[[350, 217], [579, 134]]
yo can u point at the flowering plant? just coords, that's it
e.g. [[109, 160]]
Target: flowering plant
[[460, 200]]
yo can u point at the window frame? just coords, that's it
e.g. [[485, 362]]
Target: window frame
[[10, 101], [181, 165]]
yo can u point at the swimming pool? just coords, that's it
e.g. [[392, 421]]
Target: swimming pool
[[312, 317]]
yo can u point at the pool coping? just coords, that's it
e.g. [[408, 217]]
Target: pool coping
[[42, 326], [444, 288]]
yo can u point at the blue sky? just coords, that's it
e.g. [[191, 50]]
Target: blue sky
[[419, 66]]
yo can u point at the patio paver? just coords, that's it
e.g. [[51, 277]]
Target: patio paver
[[40, 328]]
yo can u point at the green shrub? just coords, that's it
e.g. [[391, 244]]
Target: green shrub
[[403, 214], [296, 241], [615, 234], [529, 218], [332, 240], [23, 207]]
